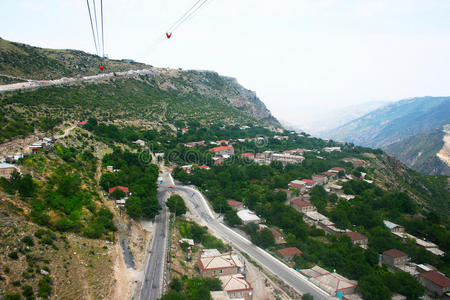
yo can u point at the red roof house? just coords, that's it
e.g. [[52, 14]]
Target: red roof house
[[435, 282], [289, 252], [248, 155], [235, 204], [80, 124], [124, 189], [358, 238], [337, 169], [204, 167]]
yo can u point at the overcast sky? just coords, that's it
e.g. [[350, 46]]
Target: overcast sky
[[299, 56]]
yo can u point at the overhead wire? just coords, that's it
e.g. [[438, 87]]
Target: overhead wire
[[184, 15], [96, 25], [103, 33], [191, 14], [92, 27]]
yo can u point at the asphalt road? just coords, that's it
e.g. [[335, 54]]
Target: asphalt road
[[198, 205], [152, 286]]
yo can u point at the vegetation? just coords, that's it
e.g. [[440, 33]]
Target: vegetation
[[192, 289], [139, 177], [176, 205]]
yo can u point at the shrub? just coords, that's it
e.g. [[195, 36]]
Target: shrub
[[9, 296], [44, 287], [13, 255], [28, 240]]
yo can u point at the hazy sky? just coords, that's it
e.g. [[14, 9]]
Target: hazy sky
[[299, 56]]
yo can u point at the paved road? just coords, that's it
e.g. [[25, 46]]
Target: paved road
[[198, 205], [152, 286], [42, 83]]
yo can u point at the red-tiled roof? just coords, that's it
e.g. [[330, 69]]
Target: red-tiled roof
[[300, 203], [338, 169], [437, 278], [276, 234], [82, 123], [215, 149], [290, 251], [328, 173], [123, 188], [247, 155], [356, 236], [203, 167], [319, 176], [395, 253], [308, 181], [234, 203]]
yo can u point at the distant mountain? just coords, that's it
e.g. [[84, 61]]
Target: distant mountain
[[395, 122], [425, 152]]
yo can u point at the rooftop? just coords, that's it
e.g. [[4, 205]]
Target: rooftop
[[389, 224], [219, 262], [235, 282], [6, 166], [234, 203], [300, 202], [123, 188], [290, 251], [221, 148], [356, 236], [437, 278], [248, 216], [395, 253]]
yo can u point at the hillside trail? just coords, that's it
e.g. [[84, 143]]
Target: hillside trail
[[64, 80]]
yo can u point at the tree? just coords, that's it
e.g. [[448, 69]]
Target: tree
[[27, 186], [173, 295], [373, 288], [403, 283], [117, 194], [264, 238], [307, 296], [176, 205], [134, 206], [231, 218], [176, 284]]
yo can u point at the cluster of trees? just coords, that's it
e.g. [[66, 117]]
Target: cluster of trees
[[176, 205], [24, 184], [138, 176], [192, 289], [263, 238], [199, 234]]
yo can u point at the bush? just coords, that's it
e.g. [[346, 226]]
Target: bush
[[13, 255], [9, 296], [27, 292], [44, 287], [176, 205], [28, 240]]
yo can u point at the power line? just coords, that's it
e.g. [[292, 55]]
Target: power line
[[92, 26], [96, 24], [190, 15], [103, 33], [184, 15]]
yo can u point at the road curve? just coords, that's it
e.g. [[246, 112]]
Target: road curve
[[198, 205]]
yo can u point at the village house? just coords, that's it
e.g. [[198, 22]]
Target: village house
[[123, 188], [309, 183], [214, 266], [204, 167], [297, 184], [6, 170], [358, 239], [218, 160], [193, 144], [331, 149], [336, 188], [288, 192], [435, 282], [236, 205], [294, 151], [333, 283], [393, 227], [222, 142], [313, 218], [330, 175], [81, 123], [248, 216], [286, 159], [237, 287], [289, 253], [140, 143], [336, 170], [219, 295], [394, 257], [248, 155], [320, 179], [302, 206], [223, 150]]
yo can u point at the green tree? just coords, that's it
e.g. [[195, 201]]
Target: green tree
[[307, 297], [264, 238], [372, 287], [176, 205], [133, 206], [118, 194], [231, 218]]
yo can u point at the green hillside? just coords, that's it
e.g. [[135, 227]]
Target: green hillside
[[28, 62], [395, 122]]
